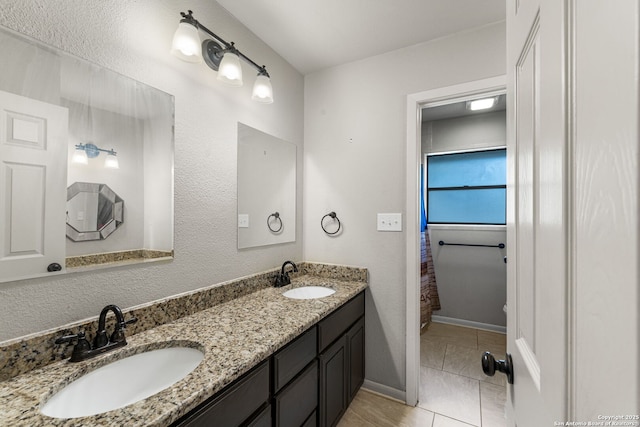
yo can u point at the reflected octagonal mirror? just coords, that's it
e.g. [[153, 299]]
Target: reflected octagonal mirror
[[94, 211]]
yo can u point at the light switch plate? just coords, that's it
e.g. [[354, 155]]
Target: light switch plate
[[389, 222], [243, 220]]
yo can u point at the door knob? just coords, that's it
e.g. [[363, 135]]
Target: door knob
[[490, 365], [54, 266]]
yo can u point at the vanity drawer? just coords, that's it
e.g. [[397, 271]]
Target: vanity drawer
[[289, 361], [298, 400], [233, 406], [330, 328]]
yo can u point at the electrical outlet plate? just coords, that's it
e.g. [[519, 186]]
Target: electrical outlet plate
[[389, 222]]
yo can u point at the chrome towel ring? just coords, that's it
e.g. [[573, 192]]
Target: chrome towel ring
[[333, 216], [277, 220]]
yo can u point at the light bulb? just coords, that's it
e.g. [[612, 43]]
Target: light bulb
[[230, 71], [111, 162], [186, 43], [262, 90], [80, 157]]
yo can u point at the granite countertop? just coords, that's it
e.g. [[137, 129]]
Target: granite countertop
[[235, 336]]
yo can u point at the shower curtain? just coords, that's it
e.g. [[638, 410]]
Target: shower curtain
[[429, 299]]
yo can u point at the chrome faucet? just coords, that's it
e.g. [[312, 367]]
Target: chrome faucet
[[283, 278], [101, 343]]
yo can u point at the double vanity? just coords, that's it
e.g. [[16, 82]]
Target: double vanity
[[266, 359]]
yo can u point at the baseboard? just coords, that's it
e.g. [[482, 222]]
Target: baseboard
[[469, 324], [385, 391]]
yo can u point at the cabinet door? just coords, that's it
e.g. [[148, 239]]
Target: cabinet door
[[355, 345], [333, 383], [299, 399], [263, 419]]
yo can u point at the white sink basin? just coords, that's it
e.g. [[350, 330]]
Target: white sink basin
[[123, 382], [309, 292]]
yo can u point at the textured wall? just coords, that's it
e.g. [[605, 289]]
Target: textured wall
[[355, 121], [134, 38]]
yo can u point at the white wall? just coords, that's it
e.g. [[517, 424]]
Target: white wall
[[478, 131], [127, 181], [134, 38], [355, 123], [472, 281]]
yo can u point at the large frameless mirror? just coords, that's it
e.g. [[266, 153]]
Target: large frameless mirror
[[266, 189], [68, 123]]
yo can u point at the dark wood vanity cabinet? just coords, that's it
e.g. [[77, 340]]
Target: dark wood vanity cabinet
[[244, 402], [307, 383], [341, 343]]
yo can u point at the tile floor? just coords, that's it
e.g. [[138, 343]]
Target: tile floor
[[454, 392]]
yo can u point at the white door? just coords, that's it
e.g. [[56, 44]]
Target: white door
[[33, 181], [536, 220]]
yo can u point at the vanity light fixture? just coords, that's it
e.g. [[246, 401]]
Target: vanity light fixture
[[219, 55], [481, 104], [84, 152]]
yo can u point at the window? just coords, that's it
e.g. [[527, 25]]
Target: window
[[467, 188]]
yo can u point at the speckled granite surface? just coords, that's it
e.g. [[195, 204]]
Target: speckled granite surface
[[111, 257], [243, 328]]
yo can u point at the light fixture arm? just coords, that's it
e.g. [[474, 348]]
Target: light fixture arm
[[228, 47], [93, 150]]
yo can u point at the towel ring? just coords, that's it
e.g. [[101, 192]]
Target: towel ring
[[276, 216], [334, 216]]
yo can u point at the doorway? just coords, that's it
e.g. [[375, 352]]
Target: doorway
[[415, 103]]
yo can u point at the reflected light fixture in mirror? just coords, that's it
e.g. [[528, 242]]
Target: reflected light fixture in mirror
[[219, 55], [84, 152]]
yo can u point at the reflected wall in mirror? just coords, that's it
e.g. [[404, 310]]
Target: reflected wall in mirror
[[68, 121], [266, 189]]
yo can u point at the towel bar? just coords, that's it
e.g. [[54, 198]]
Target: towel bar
[[499, 245]]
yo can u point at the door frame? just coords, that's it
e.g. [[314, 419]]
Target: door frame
[[415, 103]]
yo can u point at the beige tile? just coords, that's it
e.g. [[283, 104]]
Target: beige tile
[[494, 342], [451, 334], [468, 362], [370, 409], [492, 403], [432, 353], [442, 421], [451, 395]]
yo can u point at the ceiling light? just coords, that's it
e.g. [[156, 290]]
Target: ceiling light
[[481, 104], [219, 55]]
